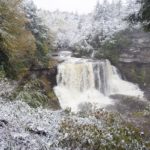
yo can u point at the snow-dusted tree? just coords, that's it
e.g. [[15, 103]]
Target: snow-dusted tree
[[143, 15], [98, 12], [40, 31], [119, 6]]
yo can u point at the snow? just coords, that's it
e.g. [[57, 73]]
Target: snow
[[6, 88], [33, 129], [22, 120], [23, 127], [73, 30]]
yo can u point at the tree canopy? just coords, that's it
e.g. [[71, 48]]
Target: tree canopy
[[17, 44], [22, 41]]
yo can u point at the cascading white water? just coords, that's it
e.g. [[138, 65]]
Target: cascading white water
[[83, 80]]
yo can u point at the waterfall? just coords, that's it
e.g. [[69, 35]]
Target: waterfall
[[83, 80]]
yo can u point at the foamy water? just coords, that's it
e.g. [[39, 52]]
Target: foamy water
[[83, 80]]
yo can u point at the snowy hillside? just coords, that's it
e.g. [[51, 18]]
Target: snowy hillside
[[77, 31]]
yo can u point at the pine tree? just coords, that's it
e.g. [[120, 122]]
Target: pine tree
[[41, 33], [119, 7], [143, 15]]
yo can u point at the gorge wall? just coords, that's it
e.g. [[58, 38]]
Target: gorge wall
[[134, 61]]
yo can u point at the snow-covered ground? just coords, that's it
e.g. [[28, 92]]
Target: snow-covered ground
[[6, 88], [26, 128], [22, 127]]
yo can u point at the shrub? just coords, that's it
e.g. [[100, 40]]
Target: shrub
[[114, 134]]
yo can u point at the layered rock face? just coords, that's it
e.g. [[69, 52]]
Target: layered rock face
[[134, 62], [139, 49]]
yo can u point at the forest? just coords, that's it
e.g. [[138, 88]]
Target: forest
[[75, 81]]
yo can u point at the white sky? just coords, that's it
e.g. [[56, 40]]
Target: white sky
[[80, 6]]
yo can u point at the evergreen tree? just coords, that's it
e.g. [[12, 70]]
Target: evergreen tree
[[41, 33], [119, 6], [143, 15], [98, 12]]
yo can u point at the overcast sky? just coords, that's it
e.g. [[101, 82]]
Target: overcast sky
[[80, 6]]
